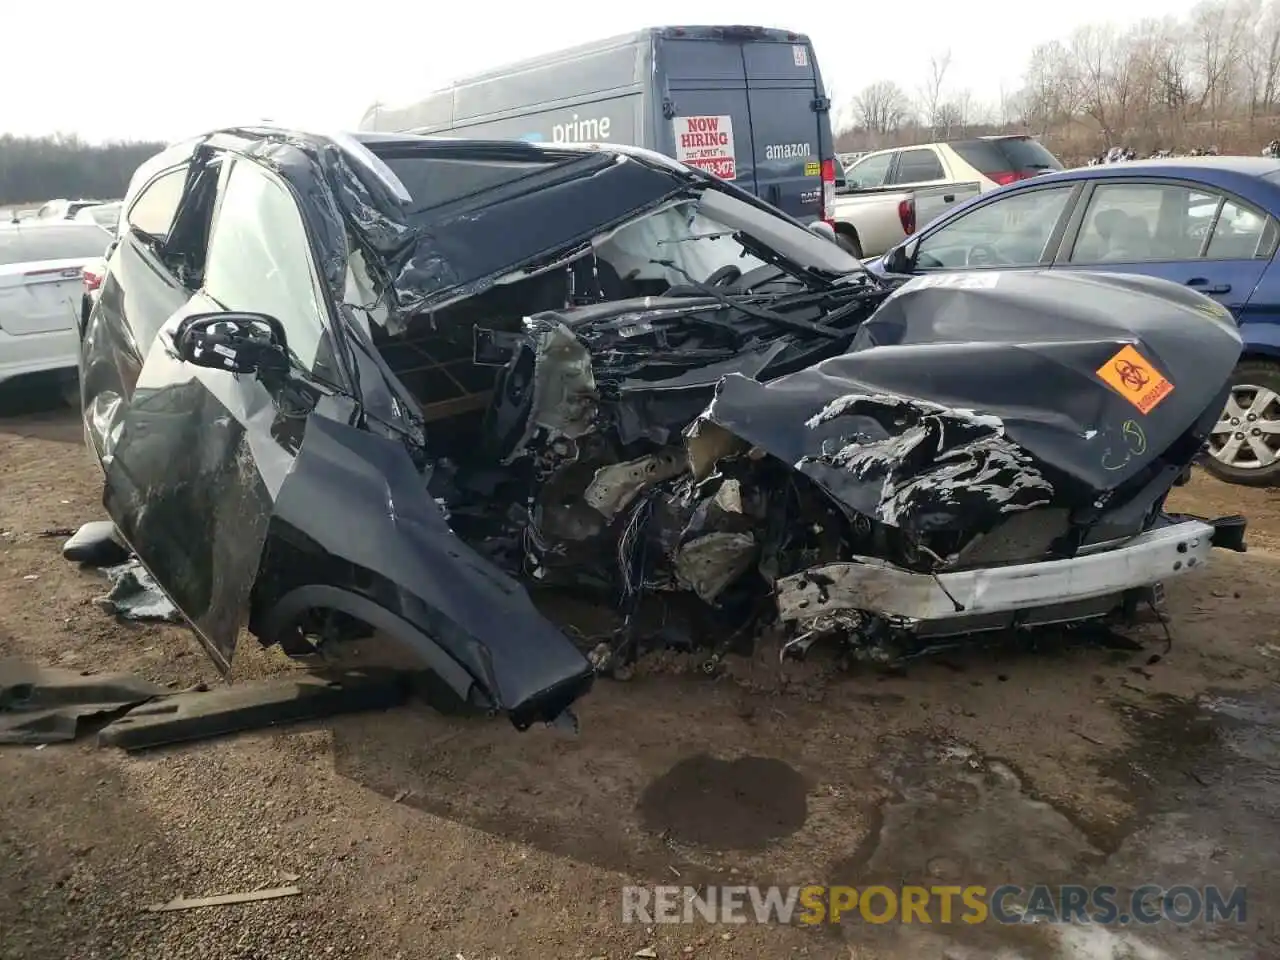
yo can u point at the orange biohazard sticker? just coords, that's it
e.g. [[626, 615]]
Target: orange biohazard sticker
[[1135, 378]]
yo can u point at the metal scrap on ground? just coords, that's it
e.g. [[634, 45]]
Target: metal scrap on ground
[[135, 595], [195, 903], [41, 705]]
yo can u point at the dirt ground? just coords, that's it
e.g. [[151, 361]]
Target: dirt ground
[[412, 835]]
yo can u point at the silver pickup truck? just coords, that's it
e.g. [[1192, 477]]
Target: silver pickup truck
[[868, 222], [888, 194]]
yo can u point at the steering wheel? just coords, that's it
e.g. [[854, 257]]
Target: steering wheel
[[724, 275], [983, 255]]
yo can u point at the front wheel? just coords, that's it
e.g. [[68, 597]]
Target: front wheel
[[1244, 445]]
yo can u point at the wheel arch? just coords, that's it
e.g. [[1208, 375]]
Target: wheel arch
[[847, 229], [1266, 352], [849, 233], [278, 621]]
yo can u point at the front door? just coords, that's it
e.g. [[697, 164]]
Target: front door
[[1013, 230], [201, 453]]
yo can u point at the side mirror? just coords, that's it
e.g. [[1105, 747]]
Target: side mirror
[[235, 342], [823, 229], [900, 258]]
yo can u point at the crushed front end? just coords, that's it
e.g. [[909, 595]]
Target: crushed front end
[[948, 473]]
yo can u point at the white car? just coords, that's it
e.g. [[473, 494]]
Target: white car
[[41, 281], [63, 209], [106, 215]]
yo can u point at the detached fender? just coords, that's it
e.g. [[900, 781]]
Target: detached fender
[[364, 510]]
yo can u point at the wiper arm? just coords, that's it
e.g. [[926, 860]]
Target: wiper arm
[[771, 256], [697, 236], [792, 323]]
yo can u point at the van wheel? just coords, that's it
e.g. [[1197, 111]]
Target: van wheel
[[1244, 445], [849, 243]]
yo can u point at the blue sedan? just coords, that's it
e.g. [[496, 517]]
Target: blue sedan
[[1208, 222]]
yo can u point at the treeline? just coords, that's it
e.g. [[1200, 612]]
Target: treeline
[[34, 169], [1211, 78]]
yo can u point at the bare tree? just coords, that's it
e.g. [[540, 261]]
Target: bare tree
[[954, 115], [1266, 36], [1053, 87], [1093, 53], [1259, 59], [931, 91], [1006, 106], [1210, 77], [1217, 35], [882, 107]]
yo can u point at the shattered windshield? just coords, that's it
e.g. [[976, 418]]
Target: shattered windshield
[[675, 245], [797, 244], [701, 241]]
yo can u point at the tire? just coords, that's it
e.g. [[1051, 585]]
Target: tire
[[69, 391], [1249, 376], [849, 243]]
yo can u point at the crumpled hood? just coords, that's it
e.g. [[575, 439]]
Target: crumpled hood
[[433, 254], [995, 391], [430, 241]]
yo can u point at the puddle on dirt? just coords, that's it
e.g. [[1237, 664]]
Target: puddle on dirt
[[1170, 736], [1202, 779], [741, 804]]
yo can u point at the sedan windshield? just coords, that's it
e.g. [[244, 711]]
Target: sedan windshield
[[105, 215]]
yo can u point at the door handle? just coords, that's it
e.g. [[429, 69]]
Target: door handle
[[948, 198], [1201, 284]]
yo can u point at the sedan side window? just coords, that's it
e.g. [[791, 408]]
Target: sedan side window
[[870, 172], [1010, 232], [1151, 222], [918, 166], [153, 211], [259, 259], [1241, 234]]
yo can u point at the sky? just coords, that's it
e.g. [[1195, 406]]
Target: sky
[[145, 69]]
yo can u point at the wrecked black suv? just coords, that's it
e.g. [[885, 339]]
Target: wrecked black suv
[[347, 384]]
